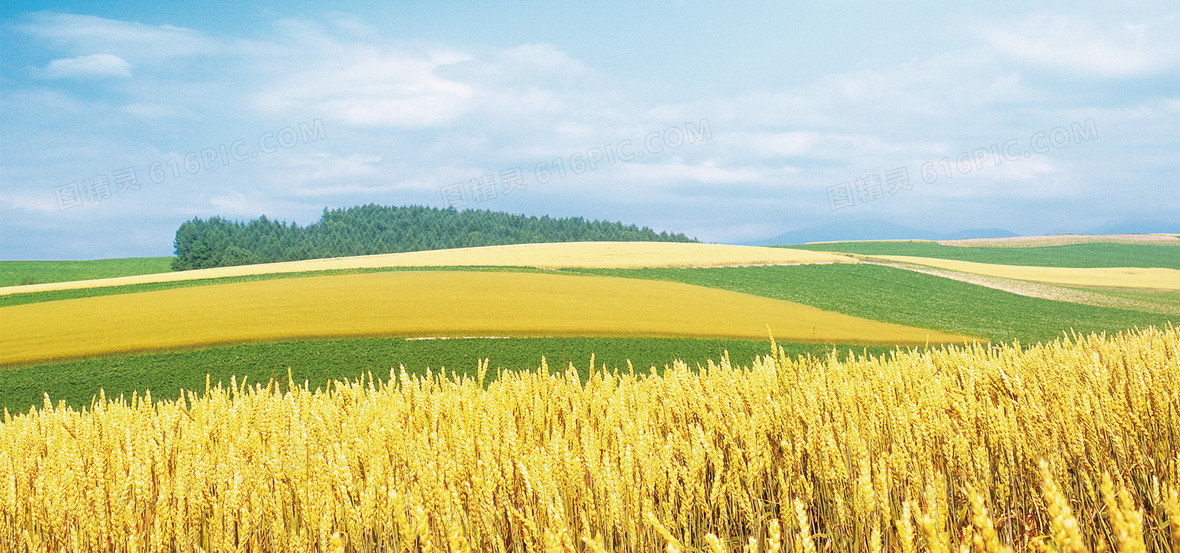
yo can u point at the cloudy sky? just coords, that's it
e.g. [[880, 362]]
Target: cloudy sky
[[730, 123]]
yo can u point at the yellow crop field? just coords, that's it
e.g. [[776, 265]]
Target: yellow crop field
[[548, 256], [420, 303], [1069, 446], [1115, 277]]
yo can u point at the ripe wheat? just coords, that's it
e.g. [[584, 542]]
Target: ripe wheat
[[1069, 446]]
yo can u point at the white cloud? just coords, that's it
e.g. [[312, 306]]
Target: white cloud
[[320, 174], [40, 102], [677, 171], [1006, 88], [811, 145], [404, 105], [1076, 46], [404, 119], [92, 66], [918, 99], [236, 204], [530, 64], [528, 90], [139, 43], [1033, 169], [367, 86], [783, 144], [352, 25], [32, 202]]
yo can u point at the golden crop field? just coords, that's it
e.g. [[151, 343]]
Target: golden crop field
[[1069, 446], [420, 303], [548, 256], [1115, 277]]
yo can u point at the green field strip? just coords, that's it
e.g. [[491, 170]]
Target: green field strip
[[321, 361], [1071, 255], [904, 297]]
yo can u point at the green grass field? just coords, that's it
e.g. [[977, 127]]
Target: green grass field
[[905, 297], [320, 361], [1073, 255], [13, 273], [1166, 301]]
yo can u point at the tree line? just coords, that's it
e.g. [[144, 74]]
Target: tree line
[[374, 229]]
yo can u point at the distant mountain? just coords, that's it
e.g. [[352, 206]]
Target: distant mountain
[[979, 233], [873, 230], [1142, 227]]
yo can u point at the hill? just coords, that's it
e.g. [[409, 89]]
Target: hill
[[894, 293], [373, 229], [619, 255]]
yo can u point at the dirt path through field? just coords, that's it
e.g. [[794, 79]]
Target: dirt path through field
[[1032, 289]]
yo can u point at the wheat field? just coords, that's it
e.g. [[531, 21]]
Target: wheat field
[[619, 255], [1153, 278], [1068, 446], [417, 304]]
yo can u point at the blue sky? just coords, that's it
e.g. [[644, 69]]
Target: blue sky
[[730, 123]]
